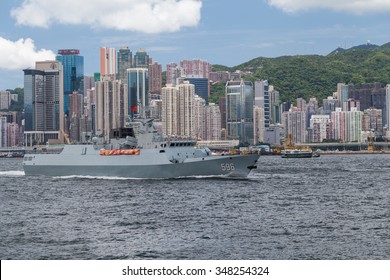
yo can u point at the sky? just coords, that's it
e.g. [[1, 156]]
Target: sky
[[227, 32]]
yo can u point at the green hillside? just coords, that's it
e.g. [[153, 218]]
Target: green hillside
[[317, 76]]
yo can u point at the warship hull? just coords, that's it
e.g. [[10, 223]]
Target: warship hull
[[79, 160]]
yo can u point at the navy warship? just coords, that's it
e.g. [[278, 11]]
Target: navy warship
[[138, 151]]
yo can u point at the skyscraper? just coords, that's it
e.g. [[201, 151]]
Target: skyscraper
[[43, 102], [342, 93], [73, 65], [239, 111], [141, 59], [108, 62], [138, 89], [125, 61], [261, 110]]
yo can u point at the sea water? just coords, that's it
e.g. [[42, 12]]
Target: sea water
[[332, 207]]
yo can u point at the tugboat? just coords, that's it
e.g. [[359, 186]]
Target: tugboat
[[291, 151], [138, 151]]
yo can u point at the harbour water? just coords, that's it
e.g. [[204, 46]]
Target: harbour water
[[332, 207]]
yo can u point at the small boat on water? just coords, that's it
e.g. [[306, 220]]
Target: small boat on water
[[138, 151], [298, 153], [291, 151]]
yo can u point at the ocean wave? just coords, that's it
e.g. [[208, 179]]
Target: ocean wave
[[13, 173]]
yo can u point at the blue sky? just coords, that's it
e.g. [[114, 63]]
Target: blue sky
[[227, 32]]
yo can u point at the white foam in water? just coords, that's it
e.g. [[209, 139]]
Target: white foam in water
[[96, 177], [12, 173]]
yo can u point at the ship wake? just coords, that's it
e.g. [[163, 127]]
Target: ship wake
[[12, 173]]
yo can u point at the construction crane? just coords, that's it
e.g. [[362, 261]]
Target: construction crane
[[65, 137], [371, 139]]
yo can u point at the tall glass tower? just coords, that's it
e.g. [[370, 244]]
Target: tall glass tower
[[141, 59], [43, 88], [239, 111], [73, 65], [138, 89]]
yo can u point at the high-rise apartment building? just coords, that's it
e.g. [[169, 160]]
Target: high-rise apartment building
[[76, 108], [329, 105], [239, 111], [274, 104], [212, 123], [387, 113], [294, 123], [43, 102], [155, 80], [199, 110], [347, 126], [3, 132], [169, 110], [174, 73], [196, 68], [125, 61], [372, 121], [5, 99], [178, 115], [89, 82], [108, 63], [111, 103], [198, 73], [318, 126], [258, 124], [73, 71], [138, 89]]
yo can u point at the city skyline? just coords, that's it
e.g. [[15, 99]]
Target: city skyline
[[35, 30]]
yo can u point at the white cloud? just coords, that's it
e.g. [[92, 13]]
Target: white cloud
[[149, 16], [351, 6], [21, 54]]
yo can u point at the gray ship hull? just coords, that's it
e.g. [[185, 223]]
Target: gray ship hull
[[148, 165]]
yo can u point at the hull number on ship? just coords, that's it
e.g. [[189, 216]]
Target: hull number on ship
[[227, 166]]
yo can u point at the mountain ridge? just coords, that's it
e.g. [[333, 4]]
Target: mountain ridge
[[317, 75]]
